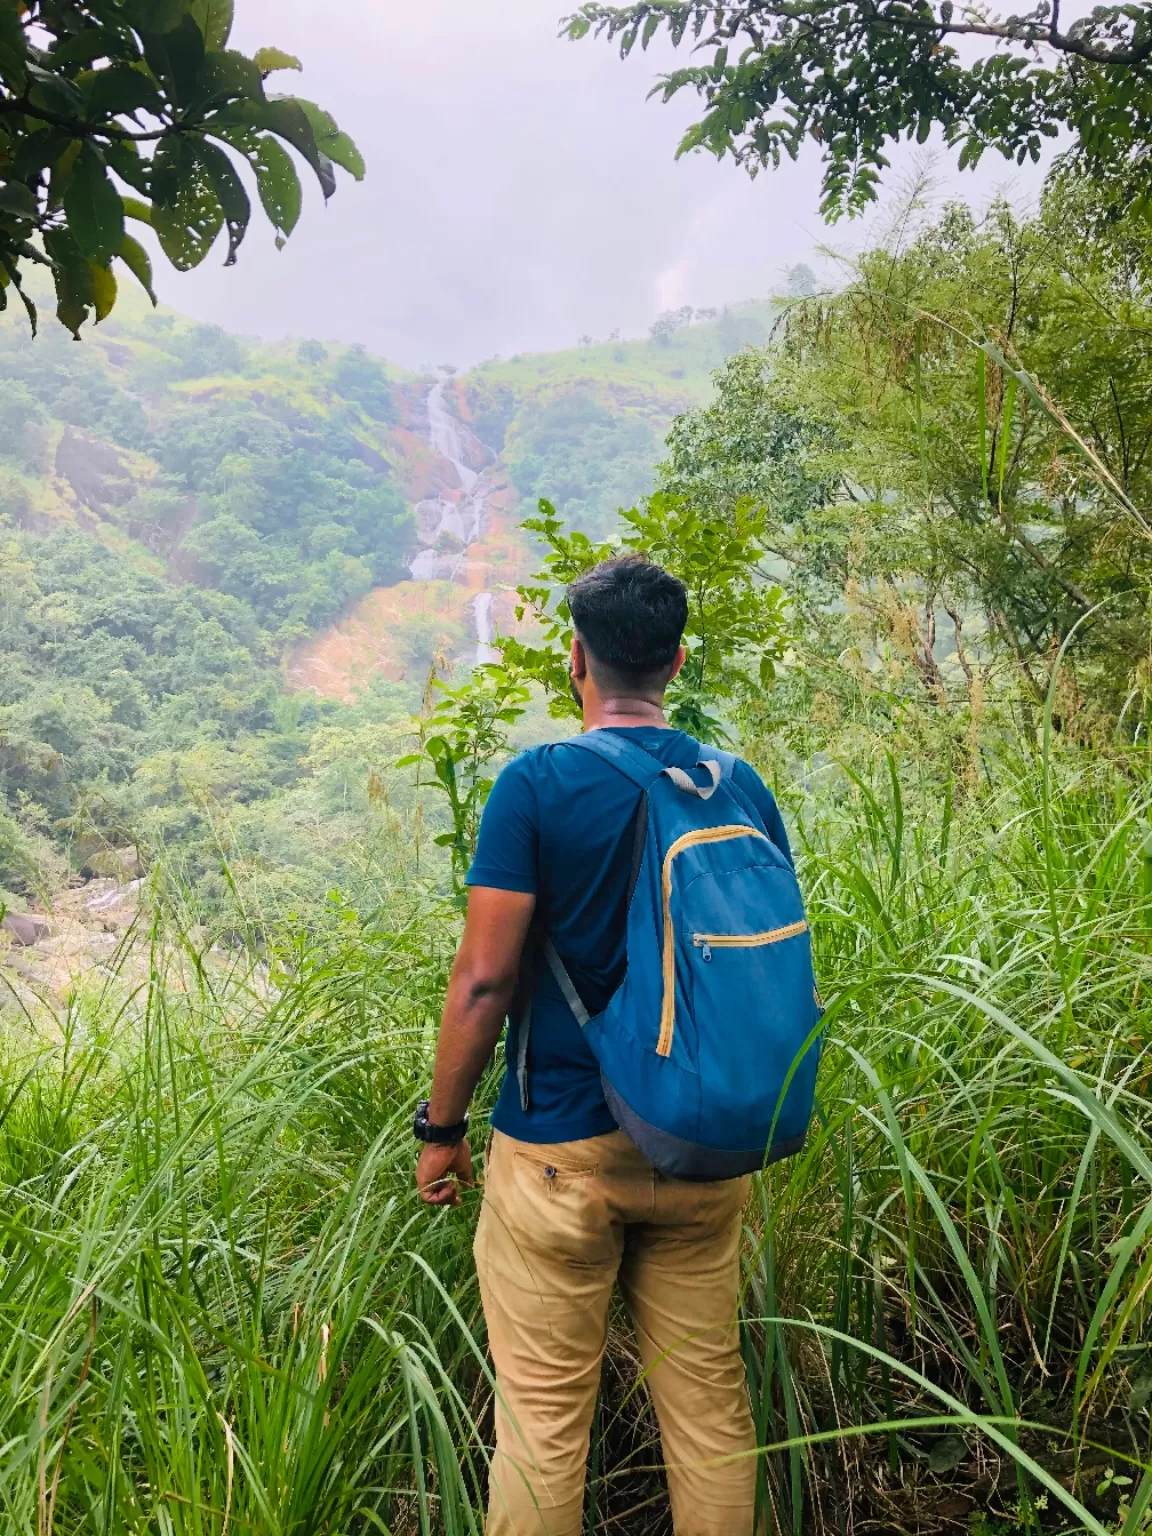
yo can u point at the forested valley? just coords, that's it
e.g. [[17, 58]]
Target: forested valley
[[273, 617]]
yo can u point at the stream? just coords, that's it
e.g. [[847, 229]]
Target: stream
[[446, 527]]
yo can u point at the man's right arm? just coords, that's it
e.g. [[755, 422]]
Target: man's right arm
[[480, 989], [501, 899]]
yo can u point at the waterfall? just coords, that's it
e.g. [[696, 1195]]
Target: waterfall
[[463, 518], [449, 436], [482, 608]]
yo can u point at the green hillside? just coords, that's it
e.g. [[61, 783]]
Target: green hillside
[[584, 427], [179, 507]]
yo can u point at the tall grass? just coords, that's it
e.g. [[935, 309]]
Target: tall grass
[[222, 1309]]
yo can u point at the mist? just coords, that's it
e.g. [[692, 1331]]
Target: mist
[[522, 191]]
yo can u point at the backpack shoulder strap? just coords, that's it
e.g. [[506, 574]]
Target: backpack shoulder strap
[[628, 757], [727, 761], [644, 769]]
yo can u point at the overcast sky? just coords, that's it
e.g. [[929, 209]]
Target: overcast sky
[[521, 191]]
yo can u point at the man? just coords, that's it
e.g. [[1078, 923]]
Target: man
[[571, 1205]]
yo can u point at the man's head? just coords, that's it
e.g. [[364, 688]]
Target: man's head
[[629, 617]]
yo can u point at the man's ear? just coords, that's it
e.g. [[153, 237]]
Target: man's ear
[[681, 658], [578, 658]]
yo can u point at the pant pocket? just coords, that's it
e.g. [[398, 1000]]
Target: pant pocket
[[556, 1157]]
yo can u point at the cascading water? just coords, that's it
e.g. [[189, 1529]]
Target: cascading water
[[482, 608], [446, 527]]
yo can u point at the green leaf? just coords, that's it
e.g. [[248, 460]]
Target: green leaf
[[94, 208], [157, 16], [13, 48], [176, 58], [85, 47], [138, 262], [72, 275], [283, 116], [186, 211], [331, 142], [982, 420], [122, 88], [267, 60], [1005, 437], [947, 1454], [230, 192], [8, 266], [37, 149], [214, 18], [125, 160], [135, 209], [277, 183], [54, 93], [18, 199], [226, 76], [103, 290]]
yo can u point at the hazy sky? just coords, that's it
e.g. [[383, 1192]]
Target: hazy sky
[[521, 191]]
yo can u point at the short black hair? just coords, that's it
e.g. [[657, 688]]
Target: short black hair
[[630, 615]]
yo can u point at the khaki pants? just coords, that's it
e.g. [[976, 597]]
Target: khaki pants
[[559, 1224]]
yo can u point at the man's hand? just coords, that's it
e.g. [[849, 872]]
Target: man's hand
[[440, 1171]]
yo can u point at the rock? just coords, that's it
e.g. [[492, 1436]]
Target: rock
[[25, 928], [97, 474], [98, 861]]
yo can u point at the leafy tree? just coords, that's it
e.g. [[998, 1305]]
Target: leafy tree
[[361, 378], [138, 109], [665, 325], [955, 455], [289, 520], [20, 414], [72, 384], [800, 281], [207, 349], [459, 737], [588, 462], [856, 77], [736, 629]]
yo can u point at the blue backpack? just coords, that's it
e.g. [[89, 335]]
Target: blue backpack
[[708, 1050]]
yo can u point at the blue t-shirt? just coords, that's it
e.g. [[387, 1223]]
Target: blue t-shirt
[[559, 823]]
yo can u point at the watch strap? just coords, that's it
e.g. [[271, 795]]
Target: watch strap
[[431, 1134]]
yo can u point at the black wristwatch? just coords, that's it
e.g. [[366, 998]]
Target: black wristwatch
[[437, 1135]]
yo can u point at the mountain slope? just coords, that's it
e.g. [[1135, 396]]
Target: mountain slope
[[583, 428], [194, 527]]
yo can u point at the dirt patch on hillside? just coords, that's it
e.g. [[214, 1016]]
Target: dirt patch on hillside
[[394, 632]]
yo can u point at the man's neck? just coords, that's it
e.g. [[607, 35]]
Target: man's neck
[[630, 712]]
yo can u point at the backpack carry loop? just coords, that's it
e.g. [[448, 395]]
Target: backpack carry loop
[[643, 769]]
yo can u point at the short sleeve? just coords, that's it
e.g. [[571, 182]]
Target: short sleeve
[[509, 832], [764, 802]]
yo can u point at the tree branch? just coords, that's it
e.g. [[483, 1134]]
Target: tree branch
[[83, 130], [745, 16]]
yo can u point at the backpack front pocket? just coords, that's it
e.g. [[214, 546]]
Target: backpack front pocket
[[706, 942]]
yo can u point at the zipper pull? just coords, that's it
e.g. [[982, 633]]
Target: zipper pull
[[706, 953]]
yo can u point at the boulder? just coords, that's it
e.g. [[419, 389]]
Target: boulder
[[26, 928], [98, 861]]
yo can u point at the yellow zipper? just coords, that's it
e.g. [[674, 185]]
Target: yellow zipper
[[708, 941], [688, 840]]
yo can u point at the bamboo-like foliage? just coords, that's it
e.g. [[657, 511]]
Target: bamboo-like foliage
[[223, 1310]]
